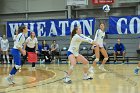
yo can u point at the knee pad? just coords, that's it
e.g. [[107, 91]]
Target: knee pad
[[17, 67], [96, 60], [71, 67], [106, 59]]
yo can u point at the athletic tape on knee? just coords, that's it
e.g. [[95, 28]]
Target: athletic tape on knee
[[96, 60], [17, 67], [105, 58], [71, 67]]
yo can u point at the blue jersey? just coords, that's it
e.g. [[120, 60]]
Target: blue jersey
[[119, 47]]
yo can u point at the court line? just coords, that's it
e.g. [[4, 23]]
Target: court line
[[39, 84], [127, 79]]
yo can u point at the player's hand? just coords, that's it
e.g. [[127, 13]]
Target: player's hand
[[94, 43], [118, 52], [36, 52], [23, 52]]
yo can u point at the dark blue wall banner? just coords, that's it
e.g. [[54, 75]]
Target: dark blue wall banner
[[53, 27], [124, 25]]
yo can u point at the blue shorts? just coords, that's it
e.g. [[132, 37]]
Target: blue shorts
[[69, 53], [16, 56]]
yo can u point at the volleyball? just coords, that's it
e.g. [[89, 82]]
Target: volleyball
[[106, 8]]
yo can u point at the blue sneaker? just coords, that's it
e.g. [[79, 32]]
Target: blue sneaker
[[136, 71]]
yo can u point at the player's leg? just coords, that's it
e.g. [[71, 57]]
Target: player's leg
[[82, 59], [7, 55], [137, 68], [97, 54], [3, 55], [104, 53], [72, 60], [17, 60], [33, 66]]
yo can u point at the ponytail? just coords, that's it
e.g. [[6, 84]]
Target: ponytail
[[73, 32]]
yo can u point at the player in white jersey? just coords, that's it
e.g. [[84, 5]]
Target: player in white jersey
[[31, 45], [73, 53], [99, 36], [5, 48], [17, 49]]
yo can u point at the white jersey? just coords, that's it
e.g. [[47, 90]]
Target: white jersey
[[4, 44], [99, 37], [31, 42], [20, 39], [76, 41], [14, 38]]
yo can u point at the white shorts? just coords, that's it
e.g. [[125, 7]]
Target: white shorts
[[4, 49], [100, 45]]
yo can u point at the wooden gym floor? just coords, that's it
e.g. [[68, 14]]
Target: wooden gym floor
[[49, 79]]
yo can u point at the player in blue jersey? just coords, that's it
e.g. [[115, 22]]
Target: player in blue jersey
[[17, 49]]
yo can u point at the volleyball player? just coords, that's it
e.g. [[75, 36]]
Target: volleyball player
[[73, 54], [5, 48], [31, 45], [17, 49], [99, 36]]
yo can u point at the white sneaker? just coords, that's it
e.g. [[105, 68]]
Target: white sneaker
[[8, 62], [67, 80], [4, 62], [33, 69], [9, 80], [91, 70], [43, 61], [102, 68], [12, 79], [87, 77]]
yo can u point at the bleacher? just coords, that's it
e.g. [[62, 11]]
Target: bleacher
[[131, 43]]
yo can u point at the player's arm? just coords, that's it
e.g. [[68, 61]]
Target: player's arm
[[1, 44], [25, 44], [123, 48], [57, 46], [115, 47], [36, 46], [87, 39], [96, 35], [7, 44]]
